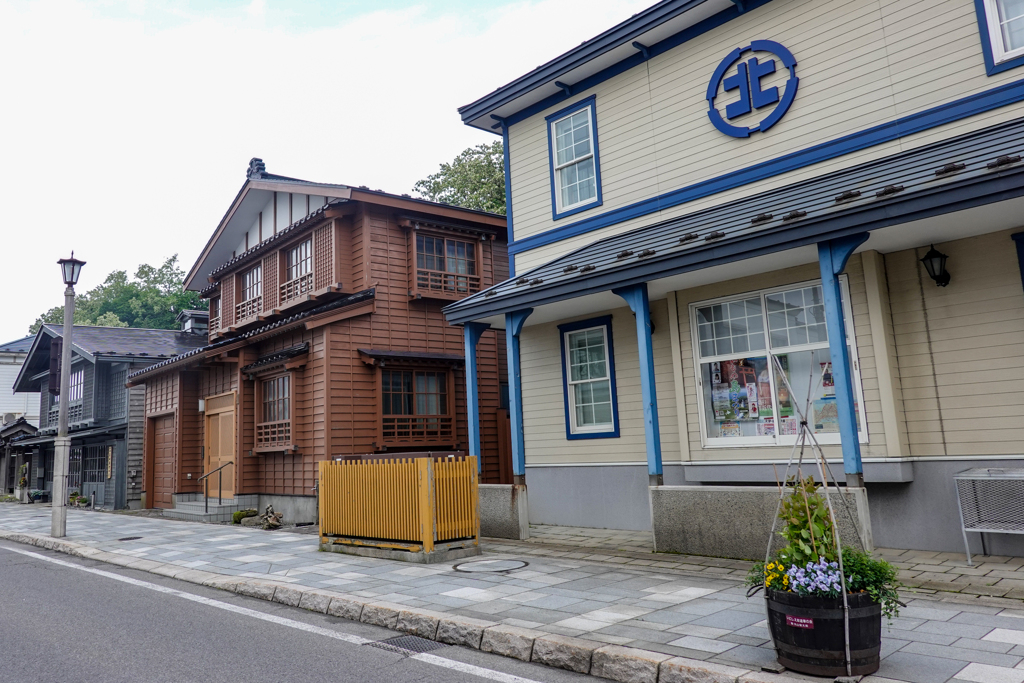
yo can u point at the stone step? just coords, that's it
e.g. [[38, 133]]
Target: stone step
[[199, 516]]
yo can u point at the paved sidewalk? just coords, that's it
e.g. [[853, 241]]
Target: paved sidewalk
[[699, 614]]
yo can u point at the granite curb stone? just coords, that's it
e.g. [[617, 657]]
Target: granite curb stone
[[287, 595], [627, 664], [459, 630], [422, 623], [683, 670], [315, 601], [345, 608], [381, 614], [564, 652], [511, 641]]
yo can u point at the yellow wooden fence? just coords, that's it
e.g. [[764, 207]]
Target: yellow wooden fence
[[407, 503]]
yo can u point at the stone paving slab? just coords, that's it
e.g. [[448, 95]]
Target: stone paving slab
[[637, 616]]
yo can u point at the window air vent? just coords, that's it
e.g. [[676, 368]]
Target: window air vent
[[625, 254], [849, 194], [794, 214], [522, 280], [688, 237], [645, 253], [889, 190], [1004, 160], [587, 269], [950, 168], [570, 268], [761, 218], [714, 236], [536, 281]]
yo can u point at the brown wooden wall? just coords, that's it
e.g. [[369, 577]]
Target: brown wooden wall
[[335, 405]]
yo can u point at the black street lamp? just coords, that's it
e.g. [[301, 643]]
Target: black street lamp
[[70, 269], [935, 263]]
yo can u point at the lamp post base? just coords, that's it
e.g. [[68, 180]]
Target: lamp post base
[[61, 457]]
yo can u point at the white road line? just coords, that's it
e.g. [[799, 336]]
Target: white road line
[[471, 669]]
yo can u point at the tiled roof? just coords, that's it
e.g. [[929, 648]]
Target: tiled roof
[[18, 345], [278, 357], [131, 341], [386, 355], [349, 300]]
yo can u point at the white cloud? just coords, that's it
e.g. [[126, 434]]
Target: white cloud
[[125, 138]]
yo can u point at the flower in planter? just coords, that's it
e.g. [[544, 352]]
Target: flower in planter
[[821, 579]]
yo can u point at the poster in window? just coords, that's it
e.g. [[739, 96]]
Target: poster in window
[[738, 397], [827, 383], [767, 427], [826, 415], [730, 429], [788, 426]]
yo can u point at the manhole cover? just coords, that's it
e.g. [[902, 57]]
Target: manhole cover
[[405, 645], [490, 566], [130, 538]]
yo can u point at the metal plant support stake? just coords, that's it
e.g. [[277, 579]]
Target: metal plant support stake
[[806, 438]]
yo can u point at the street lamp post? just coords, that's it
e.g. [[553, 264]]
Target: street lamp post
[[70, 268]]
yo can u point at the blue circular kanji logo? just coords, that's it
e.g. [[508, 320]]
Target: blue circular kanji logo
[[747, 80]]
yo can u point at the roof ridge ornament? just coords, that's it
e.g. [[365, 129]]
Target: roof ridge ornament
[[256, 168]]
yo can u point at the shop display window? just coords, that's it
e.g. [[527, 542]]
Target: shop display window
[[743, 398]]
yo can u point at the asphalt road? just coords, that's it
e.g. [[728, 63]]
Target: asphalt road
[[67, 619]]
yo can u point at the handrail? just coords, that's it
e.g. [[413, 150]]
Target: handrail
[[220, 485], [229, 462]]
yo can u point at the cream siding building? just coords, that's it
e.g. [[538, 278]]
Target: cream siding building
[[641, 186]]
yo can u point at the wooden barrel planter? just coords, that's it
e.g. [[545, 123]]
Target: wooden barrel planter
[[808, 633]]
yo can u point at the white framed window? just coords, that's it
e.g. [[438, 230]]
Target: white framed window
[[299, 260], [588, 369], [575, 164], [742, 400], [252, 283], [1005, 19]]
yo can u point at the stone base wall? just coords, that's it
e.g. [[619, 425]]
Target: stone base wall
[[736, 521], [504, 511], [296, 509]]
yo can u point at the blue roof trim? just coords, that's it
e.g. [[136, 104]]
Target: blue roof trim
[[991, 68], [988, 100], [639, 58], [508, 196], [614, 37]]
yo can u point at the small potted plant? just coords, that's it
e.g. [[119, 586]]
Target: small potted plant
[[22, 490], [803, 584]]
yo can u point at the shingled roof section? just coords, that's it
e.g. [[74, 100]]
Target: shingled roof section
[[284, 323], [22, 345], [131, 341]]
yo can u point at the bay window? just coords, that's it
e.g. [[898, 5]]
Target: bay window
[[743, 400], [415, 407]]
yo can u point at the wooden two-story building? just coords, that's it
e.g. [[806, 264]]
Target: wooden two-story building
[[724, 214], [105, 418], [326, 340]]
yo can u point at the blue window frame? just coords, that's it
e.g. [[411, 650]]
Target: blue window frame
[[573, 159], [588, 379], [1001, 28]]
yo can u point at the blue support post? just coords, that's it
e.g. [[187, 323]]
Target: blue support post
[[832, 258], [471, 333], [636, 298], [513, 326]]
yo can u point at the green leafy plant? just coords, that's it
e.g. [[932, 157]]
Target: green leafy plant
[[242, 514], [807, 526], [875, 577]]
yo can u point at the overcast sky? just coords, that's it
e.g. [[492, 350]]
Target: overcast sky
[[127, 125]]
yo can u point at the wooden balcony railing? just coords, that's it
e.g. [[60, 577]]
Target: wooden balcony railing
[[448, 284], [75, 412], [248, 309], [215, 324], [418, 429], [296, 287], [273, 435]]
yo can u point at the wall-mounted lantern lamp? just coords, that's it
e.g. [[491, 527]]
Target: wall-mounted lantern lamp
[[935, 263]]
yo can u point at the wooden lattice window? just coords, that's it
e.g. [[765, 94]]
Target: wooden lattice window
[[416, 408], [446, 267], [274, 430], [214, 313], [298, 271], [324, 256], [252, 293]]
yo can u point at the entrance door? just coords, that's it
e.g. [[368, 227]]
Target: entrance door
[[163, 462], [220, 444]]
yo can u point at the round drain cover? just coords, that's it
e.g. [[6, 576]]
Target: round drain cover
[[490, 566]]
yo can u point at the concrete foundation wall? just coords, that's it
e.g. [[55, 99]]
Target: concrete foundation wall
[[503, 511], [602, 497], [732, 521], [296, 509]]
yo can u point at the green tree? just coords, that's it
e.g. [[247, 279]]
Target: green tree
[[474, 180], [151, 299]]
